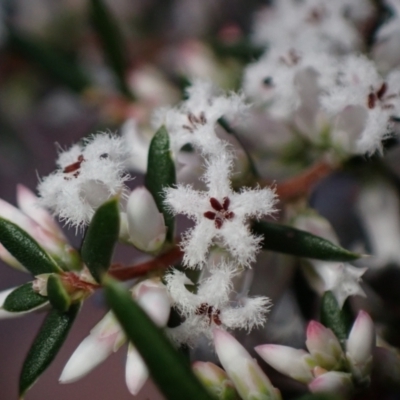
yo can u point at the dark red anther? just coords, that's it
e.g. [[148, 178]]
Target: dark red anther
[[216, 318], [380, 93], [203, 119], [218, 222], [225, 203], [202, 309], [229, 215], [74, 166], [210, 215], [371, 100], [215, 204]]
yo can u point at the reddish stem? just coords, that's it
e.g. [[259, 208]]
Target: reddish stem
[[134, 271], [301, 184]]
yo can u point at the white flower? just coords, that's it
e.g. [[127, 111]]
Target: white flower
[[220, 214], [342, 279], [363, 105], [316, 24], [87, 176], [277, 80], [211, 305], [195, 119]]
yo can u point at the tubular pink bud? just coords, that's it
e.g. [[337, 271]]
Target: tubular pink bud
[[289, 361], [334, 382]]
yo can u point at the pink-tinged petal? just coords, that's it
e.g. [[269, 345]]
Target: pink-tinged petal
[[28, 203], [10, 260], [215, 380], [334, 382], [136, 372], [7, 314], [104, 339], [153, 297], [360, 345], [295, 363], [324, 346], [250, 381]]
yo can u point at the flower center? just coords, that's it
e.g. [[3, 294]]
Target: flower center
[[221, 212], [194, 121], [74, 167], [379, 96], [210, 312]]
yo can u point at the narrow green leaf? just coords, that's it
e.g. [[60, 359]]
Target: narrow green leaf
[[112, 40], [100, 239], [285, 239], [335, 318], [23, 298], [46, 345], [51, 61], [25, 249], [168, 367], [161, 174], [57, 294]]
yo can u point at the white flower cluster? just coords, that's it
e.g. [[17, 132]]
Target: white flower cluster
[[313, 78], [221, 218]]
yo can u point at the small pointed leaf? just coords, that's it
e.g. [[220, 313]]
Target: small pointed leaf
[[23, 299], [169, 369], [335, 318], [100, 238], [285, 239], [112, 41], [46, 345], [25, 249], [51, 61], [57, 294], [161, 174]]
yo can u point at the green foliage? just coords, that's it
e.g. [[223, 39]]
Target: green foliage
[[25, 249], [100, 239], [23, 298], [113, 45], [288, 240], [335, 318], [50, 60], [168, 367], [46, 345], [161, 174], [57, 294]]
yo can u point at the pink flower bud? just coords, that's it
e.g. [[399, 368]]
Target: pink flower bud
[[146, 225], [360, 345], [292, 362], [324, 346], [334, 382], [215, 380], [136, 372], [248, 378]]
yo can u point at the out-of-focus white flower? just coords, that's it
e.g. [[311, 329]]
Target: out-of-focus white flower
[[146, 227], [107, 337], [333, 382], [195, 119], [211, 305], [86, 177], [363, 105], [39, 224], [378, 206], [220, 214], [324, 346], [296, 363], [215, 380], [316, 24], [360, 345], [277, 80], [386, 47], [242, 369]]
